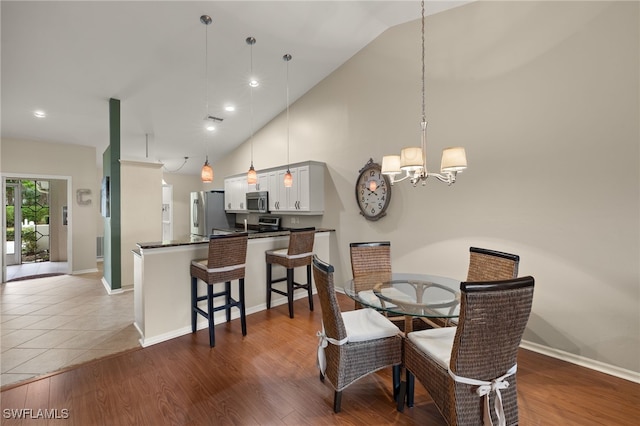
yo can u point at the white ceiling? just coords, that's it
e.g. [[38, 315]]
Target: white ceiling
[[68, 58]]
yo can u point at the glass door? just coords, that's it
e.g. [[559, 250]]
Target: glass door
[[13, 217], [35, 220]]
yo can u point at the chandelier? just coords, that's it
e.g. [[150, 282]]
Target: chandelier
[[413, 160]]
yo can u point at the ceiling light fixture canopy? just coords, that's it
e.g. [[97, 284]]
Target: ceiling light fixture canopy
[[413, 160], [206, 174], [288, 178], [252, 176]]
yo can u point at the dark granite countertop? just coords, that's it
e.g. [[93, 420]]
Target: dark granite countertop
[[196, 239]]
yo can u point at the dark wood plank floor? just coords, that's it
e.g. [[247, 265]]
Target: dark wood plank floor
[[270, 377]]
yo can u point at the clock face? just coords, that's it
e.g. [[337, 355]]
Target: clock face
[[373, 191]]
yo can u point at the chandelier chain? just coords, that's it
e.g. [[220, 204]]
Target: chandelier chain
[[424, 116]]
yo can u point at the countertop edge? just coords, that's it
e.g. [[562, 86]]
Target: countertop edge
[[203, 240]]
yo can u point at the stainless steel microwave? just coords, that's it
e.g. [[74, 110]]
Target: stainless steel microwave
[[258, 202]]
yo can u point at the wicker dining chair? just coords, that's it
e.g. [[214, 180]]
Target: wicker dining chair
[[225, 262], [369, 259], [491, 265], [352, 344], [299, 253], [465, 367]]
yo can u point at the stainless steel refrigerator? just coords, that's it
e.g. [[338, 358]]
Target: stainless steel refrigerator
[[207, 213]]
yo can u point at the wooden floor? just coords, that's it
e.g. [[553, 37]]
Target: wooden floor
[[270, 377]]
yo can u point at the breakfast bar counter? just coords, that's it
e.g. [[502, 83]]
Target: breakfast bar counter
[[162, 281]]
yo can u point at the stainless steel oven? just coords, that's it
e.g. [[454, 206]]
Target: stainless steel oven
[[258, 202]]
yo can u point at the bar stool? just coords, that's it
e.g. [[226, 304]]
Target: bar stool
[[299, 253], [226, 262]]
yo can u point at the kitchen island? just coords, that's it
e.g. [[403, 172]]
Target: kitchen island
[[162, 294]]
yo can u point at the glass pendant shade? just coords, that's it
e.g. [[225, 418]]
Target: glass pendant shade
[[411, 159], [252, 176], [288, 179], [453, 159], [207, 172], [391, 165]]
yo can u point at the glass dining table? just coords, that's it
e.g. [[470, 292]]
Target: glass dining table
[[433, 298]]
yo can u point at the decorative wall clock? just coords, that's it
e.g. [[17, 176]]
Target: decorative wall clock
[[373, 191]]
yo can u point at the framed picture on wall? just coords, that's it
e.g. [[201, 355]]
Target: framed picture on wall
[[105, 197]]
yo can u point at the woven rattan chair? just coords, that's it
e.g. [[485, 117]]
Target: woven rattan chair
[[299, 253], [369, 259], [481, 353], [226, 262], [352, 344], [491, 265]]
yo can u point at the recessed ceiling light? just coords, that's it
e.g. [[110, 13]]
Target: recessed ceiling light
[[211, 128], [39, 114], [230, 108], [254, 83]]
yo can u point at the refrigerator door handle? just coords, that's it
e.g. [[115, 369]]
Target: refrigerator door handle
[[194, 213]]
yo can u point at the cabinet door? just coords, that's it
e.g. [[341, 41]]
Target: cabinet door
[[274, 192], [228, 194], [263, 182], [304, 189], [292, 193]]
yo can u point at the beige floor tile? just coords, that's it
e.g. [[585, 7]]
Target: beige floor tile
[[14, 357], [24, 321], [54, 321], [49, 339], [63, 321], [48, 361], [86, 339], [14, 338]]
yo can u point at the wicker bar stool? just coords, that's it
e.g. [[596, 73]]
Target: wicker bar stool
[[299, 253], [226, 262]]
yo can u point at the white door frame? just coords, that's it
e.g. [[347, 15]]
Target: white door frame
[[13, 175]]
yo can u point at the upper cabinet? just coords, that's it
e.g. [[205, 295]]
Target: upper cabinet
[[235, 189], [306, 196]]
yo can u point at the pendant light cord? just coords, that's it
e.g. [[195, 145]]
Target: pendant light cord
[[287, 58], [423, 124]]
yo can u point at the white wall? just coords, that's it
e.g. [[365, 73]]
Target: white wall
[[51, 160], [544, 96]]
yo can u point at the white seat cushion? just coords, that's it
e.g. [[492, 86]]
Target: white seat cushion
[[435, 342], [367, 324]]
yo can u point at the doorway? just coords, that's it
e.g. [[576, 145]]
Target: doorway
[[35, 226]]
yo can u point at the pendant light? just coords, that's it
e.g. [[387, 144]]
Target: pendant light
[[206, 174], [288, 179], [252, 176]]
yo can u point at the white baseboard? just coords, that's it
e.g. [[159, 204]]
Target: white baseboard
[[84, 271], [602, 367]]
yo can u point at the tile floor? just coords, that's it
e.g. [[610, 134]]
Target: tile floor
[[35, 268], [47, 324]]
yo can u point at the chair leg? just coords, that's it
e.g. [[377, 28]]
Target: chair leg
[[337, 400], [243, 316], [227, 299], [212, 336], [268, 286], [402, 393], [396, 380], [309, 287], [411, 384], [194, 303], [290, 291]]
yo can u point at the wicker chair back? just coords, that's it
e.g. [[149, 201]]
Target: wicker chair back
[[491, 265]]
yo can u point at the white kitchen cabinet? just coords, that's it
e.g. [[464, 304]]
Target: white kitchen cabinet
[[306, 196], [235, 190]]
